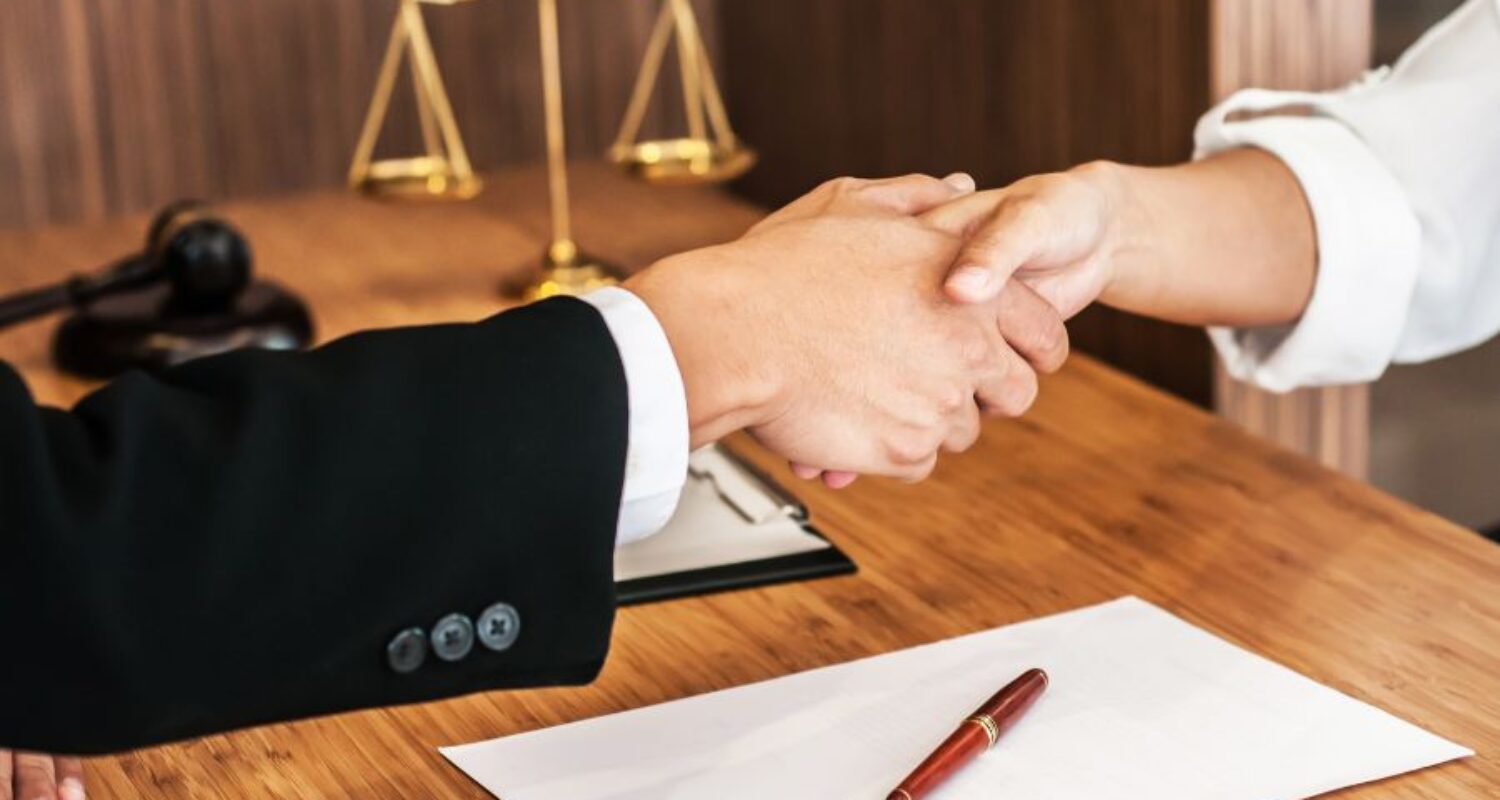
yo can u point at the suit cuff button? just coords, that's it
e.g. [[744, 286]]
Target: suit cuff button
[[406, 651], [453, 637], [499, 626]]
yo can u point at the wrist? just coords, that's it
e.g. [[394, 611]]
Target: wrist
[[1125, 235], [701, 303]]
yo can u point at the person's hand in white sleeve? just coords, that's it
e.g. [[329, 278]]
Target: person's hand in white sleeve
[[1322, 235], [1227, 240]]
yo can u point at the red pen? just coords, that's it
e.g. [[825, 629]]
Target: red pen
[[975, 735]]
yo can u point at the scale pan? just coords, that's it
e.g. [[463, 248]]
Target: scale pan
[[417, 178], [682, 161]]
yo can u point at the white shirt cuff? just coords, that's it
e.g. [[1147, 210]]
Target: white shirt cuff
[[656, 459], [1368, 243]]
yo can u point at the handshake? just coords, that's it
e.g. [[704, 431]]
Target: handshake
[[869, 325]]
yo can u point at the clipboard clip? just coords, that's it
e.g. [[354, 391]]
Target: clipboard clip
[[751, 494]]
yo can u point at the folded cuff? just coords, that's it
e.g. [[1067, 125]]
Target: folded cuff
[[1368, 243]]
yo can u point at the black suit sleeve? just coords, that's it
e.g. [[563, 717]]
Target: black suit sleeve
[[237, 540]]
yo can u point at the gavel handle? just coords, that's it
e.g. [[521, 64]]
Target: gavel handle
[[79, 290], [36, 302]]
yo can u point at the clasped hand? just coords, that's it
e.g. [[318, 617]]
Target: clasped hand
[[826, 333]]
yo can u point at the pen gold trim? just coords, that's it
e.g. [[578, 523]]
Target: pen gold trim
[[996, 715], [988, 725]]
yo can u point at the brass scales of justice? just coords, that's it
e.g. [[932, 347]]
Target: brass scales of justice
[[709, 153]]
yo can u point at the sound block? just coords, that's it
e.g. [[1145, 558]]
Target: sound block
[[141, 330]]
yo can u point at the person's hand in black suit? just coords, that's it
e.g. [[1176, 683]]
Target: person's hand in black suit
[[825, 332], [37, 776]]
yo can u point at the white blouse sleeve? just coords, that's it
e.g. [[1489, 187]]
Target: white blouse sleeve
[[1402, 173]]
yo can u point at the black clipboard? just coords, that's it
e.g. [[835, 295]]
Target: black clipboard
[[730, 524]]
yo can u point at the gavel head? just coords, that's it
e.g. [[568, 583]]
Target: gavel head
[[206, 261]]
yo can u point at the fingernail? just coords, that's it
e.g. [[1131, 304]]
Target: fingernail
[[972, 282], [961, 181], [70, 789]]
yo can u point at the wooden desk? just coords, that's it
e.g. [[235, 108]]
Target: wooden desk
[[1107, 488]]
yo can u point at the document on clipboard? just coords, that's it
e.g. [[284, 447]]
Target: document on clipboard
[[733, 529]]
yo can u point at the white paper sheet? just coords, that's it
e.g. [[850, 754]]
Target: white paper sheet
[[1141, 705]]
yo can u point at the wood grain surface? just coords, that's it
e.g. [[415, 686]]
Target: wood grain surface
[[1107, 488]]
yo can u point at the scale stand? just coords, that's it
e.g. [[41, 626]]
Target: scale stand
[[565, 270], [443, 171], [696, 158]]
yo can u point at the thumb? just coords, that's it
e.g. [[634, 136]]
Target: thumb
[[1000, 239]]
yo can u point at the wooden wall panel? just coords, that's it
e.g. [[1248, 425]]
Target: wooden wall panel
[[1294, 44], [1000, 89], [110, 106]]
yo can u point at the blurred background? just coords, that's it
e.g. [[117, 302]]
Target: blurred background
[[1435, 428], [116, 106]]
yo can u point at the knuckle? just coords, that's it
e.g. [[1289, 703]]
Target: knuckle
[[908, 180], [921, 471], [975, 350], [841, 185], [903, 452], [1019, 393], [909, 448], [892, 193], [963, 439], [952, 400], [1027, 208]]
